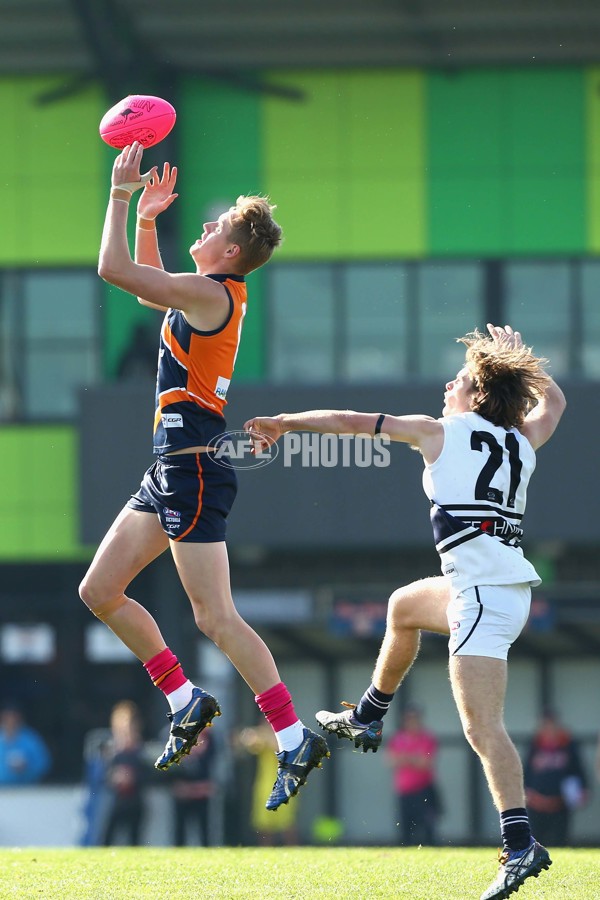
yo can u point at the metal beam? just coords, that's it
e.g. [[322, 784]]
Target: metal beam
[[119, 58]]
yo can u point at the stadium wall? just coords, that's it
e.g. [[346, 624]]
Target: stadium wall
[[325, 506], [409, 163], [370, 164]]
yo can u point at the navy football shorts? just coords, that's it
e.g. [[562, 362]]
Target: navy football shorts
[[191, 494]]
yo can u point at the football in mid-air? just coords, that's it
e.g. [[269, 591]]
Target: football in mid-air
[[139, 117]]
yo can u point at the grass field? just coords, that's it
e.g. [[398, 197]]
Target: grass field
[[306, 873]]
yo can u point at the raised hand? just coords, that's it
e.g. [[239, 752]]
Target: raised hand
[[505, 337], [158, 193], [126, 169]]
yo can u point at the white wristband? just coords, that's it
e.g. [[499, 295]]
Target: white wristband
[[132, 186]]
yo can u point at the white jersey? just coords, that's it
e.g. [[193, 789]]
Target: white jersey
[[478, 491]]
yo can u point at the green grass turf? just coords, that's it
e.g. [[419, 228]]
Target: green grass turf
[[305, 873]]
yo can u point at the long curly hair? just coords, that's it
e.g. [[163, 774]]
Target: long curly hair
[[507, 381]]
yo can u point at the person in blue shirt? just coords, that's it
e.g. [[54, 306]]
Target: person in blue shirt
[[24, 757]]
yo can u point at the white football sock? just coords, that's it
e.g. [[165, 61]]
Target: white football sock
[[291, 737], [180, 697]]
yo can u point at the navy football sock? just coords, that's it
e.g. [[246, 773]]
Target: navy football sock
[[372, 706], [516, 833]]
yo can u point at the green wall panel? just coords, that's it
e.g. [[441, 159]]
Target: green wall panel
[[219, 147], [218, 133], [386, 165], [593, 158], [313, 216], [465, 152], [346, 164], [546, 160], [51, 203], [39, 517], [302, 145], [506, 156], [250, 364]]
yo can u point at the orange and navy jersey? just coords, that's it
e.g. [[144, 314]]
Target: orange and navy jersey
[[194, 372]]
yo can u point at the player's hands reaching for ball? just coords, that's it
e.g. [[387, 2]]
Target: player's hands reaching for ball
[[505, 337], [264, 431], [158, 193], [126, 169]]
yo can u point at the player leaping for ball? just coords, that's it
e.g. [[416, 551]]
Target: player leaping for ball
[[478, 460], [185, 497]]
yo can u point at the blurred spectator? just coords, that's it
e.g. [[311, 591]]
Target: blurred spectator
[[411, 751], [24, 757], [125, 776], [269, 828], [95, 797], [193, 787], [555, 781]]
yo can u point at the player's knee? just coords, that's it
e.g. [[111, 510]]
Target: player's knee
[[219, 628], [471, 732], [400, 609], [207, 623], [97, 599], [480, 735]]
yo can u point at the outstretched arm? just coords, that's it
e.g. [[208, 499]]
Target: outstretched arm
[[422, 432]]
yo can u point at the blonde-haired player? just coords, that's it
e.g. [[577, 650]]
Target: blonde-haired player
[[185, 497]]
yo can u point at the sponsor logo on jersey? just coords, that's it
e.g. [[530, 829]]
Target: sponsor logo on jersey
[[172, 420], [502, 529], [455, 626], [450, 569], [222, 387]]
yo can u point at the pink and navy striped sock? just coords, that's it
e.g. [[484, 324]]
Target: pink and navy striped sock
[[165, 671]]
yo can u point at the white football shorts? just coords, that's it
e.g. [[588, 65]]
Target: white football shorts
[[486, 620]]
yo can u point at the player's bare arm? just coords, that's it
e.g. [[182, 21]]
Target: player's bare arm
[[423, 432], [156, 197], [540, 424], [204, 301]]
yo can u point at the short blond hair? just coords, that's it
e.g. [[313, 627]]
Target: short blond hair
[[255, 231], [507, 381]]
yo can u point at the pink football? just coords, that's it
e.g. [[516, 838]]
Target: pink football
[[138, 117]]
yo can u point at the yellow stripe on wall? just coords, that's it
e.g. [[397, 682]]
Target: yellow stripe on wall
[[39, 516], [346, 165], [593, 158], [51, 159]]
